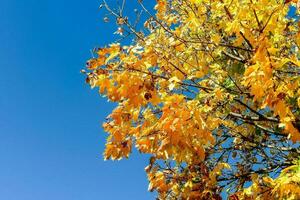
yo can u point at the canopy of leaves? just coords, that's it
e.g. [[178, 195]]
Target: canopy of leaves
[[211, 90]]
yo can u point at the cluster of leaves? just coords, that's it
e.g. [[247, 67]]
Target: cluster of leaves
[[211, 90], [286, 186]]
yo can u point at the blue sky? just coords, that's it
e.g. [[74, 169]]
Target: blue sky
[[51, 140]]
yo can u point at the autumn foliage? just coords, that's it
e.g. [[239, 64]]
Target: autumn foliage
[[211, 90]]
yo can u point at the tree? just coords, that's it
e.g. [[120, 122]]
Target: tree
[[211, 90]]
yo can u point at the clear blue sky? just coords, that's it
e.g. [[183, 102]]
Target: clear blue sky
[[51, 140]]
